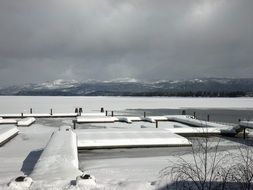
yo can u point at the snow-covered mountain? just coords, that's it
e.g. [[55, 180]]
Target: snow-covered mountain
[[133, 87]]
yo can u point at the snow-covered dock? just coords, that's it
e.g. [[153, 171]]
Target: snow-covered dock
[[8, 121], [128, 138], [246, 124], [190, 131], [129, 119], [26, 121], [59, 159], [38, 115], [153, 119], [7, 132], [96, 119], [190, 120]]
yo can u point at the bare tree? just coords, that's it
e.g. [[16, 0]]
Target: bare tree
[[204, 169], [242, 169]]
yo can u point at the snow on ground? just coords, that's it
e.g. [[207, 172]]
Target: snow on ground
[[19, 155], [137, 168], [112, 169]]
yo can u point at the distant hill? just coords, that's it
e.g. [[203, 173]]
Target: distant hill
[[207, 87]]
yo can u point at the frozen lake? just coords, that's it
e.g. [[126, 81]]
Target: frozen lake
[[40, 104], [219, 109]]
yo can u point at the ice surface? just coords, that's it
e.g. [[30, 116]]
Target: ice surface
[[19, 104]]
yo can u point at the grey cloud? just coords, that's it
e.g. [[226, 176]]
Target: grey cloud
[[144, 39]]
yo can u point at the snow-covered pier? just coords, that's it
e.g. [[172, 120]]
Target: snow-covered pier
[[128, 138], [59, 159], [26, 121], [39, 115], [8, 121], [246, 124], [6, 133]]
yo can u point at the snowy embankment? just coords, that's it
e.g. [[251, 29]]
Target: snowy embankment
[[6, 133], [26, 121], [127, 138]]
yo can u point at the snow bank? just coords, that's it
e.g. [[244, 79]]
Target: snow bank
[[26, 121], [117, 138], [59, 160], [6, 133], [94, 119]]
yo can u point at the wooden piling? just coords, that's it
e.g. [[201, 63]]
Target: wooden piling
[[74, 124], [112, 114], [244, 133], [106, 113], [144, 114], [51, 111], [22, 115], [208, 117], [183, 112], [31, 110], [102, 110], [156, 124], [194, 114]]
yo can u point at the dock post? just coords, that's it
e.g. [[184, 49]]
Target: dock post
[[22, 115], [183, 112], [194, 114], [76, 110], [208, 117], [51, 111], [74, 124], [112, 114], [144, 114], [102, 110], [244, 133], [106, 113], [80, 110], [156, 124], [31, 110]]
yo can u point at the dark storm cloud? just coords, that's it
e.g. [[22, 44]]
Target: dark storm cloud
[[144, 39]]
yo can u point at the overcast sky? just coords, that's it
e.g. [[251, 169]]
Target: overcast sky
[[42, 40]]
